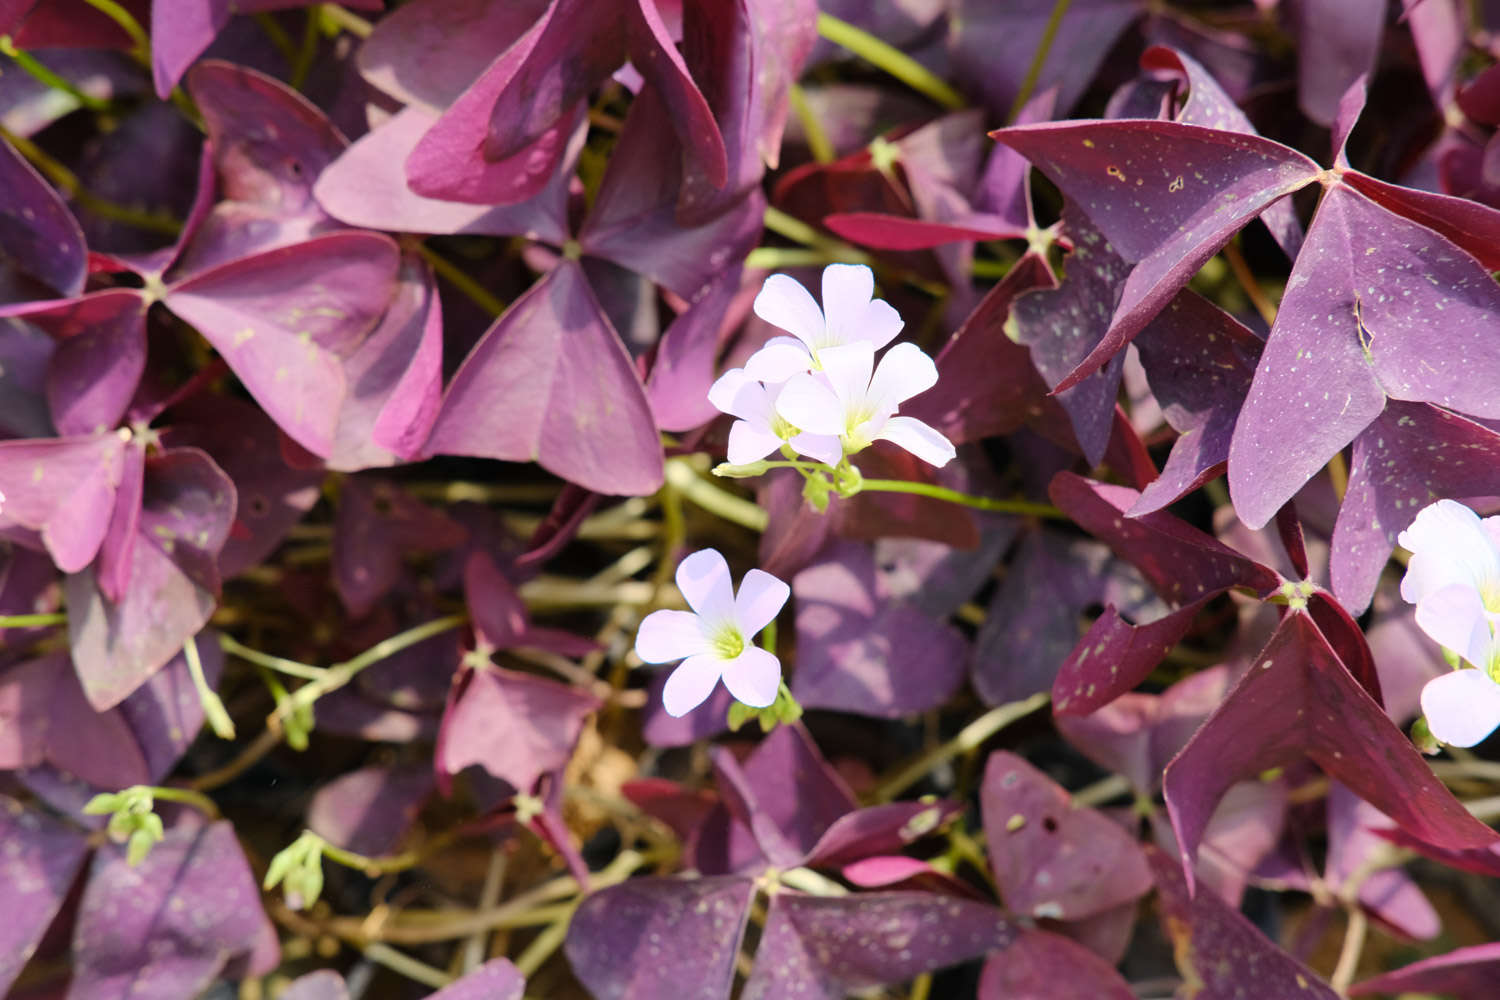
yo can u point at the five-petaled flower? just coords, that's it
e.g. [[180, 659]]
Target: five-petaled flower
[[1454, 580], [850, 315], [715, 639], [760, 430], [857, 401]]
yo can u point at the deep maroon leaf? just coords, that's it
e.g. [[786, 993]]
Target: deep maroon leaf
[[282, 319], [370, 810], [37, 866], [823, 948], [1410, 455], [37, 232], [859, 653], [1471, 225], [551, 382], [1220, 951], [1200, 361], [186, 511], [1471, 973], [1299, 700], [1042, 966], [1376, 307], [653, 937], [514, 725], [167, 926], [1050, 858], [1114, 656], [879, 830], [1166, 196]]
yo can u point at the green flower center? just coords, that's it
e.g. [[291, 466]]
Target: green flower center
[[784, 428], [727, 642]]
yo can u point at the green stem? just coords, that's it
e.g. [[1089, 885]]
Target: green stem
[[700, 491], [341, 18], [889, 59], [966, 499], [40, 72], [236, 648], [460, 280], [781, 258], [1039, 58], [306, 53], [33, 621], [186, 796], [340, 674], [213, 707], [971, 737], [818, 142], [403, 964], [797, 231]]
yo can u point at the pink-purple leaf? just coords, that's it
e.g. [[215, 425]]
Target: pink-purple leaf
[[38, 234], [1390, 893], [653, 937], [1471, 973], [168, 926], [1299, 700], [1340, 40], [857, 652], [64, 490], [1039, 965], [1218, 949], [325, 984], [1050, 858], [551, 382], [683, 369], [371, 810], [98, 364], [879, 830], [283, 319], [1377, 306], [378, 523], [37, 867], [824, 948], [497, 979]]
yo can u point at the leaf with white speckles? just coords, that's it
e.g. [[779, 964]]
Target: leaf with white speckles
[[1376, 307], [650, 938], [38, 859], [1299, 700], [1218, 951], [1199, 361], [1165, 195], [551, 382], [186, 510], [1410, 455], [166, 927], [1042, 966], [283, 319], [823, 948], [1050, 858], [858, 652]]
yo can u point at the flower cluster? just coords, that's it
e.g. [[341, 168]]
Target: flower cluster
[[1454, 580], [819, 392]]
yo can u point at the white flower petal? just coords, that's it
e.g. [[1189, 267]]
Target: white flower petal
[[691, 683], [665, 636], [904, 372], [1454, 617], [753, 677], [810, 405], [703, 578], [1449, 546], [825, 448], [761, 598], [847, 369], [1462, 707], [847, 289], [880, 324], [749, 443], [784, 303], [778, 360], [736, 393], [919, 439]]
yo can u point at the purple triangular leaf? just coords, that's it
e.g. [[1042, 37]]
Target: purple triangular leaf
[[823, 948], [285, 345], [371, 810], [1473, 226], [497, 979], [859, 653], [1043, 966], [1218, 949], [117, 551], [37, 231], [654, 937], [514, 725], [879, 830], [325, 984], [1340, 40], [1052, 859], [428, 52], [63, 489], [37, 866], [1199, 361], [1114, 656], [186, 510], [1389, 894], [1299, 700], [59, 727], [683, 369], [1471, 973], [551, 382], [377, 524], [1376, 306], [1410, 455], [1167, 197], [166, 712], [97, 366]]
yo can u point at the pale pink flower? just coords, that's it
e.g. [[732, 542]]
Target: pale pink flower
[[715, 639], [760, 430], [850, 314]]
